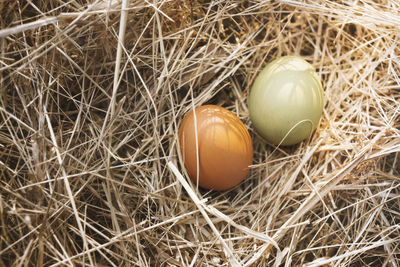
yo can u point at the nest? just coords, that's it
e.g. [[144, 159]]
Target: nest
[[92, 96]]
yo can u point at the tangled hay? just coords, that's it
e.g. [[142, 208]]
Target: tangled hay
[[92, 94]]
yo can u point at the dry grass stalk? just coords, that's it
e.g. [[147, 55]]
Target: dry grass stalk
[[92, 94]]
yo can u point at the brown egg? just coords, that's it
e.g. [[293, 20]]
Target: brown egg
[[225, 149]]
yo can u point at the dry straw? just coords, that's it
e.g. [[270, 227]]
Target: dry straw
[[92, 94]]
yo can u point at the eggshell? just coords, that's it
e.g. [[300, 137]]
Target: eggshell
[[286, 101], [223, 146]]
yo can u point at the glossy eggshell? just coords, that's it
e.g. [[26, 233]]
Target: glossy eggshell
[[225, 149], [286, 101]]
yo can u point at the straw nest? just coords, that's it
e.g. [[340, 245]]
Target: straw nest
[[92, 95]]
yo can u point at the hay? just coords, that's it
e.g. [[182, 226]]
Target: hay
[[92, 94]]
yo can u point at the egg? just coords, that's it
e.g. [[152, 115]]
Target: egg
[[216, 147], [286, 101]]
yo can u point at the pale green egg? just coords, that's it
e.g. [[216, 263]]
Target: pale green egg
[[286, 101]]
